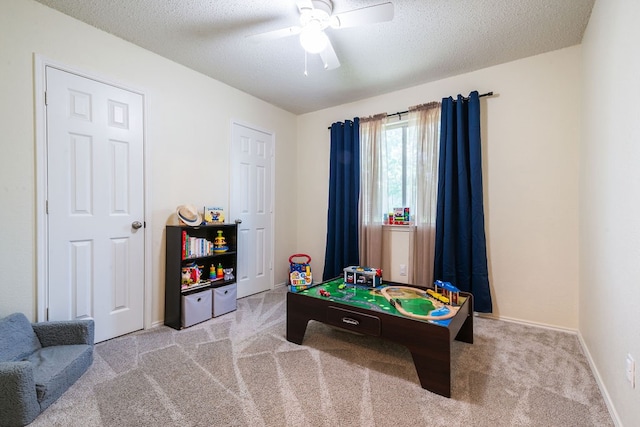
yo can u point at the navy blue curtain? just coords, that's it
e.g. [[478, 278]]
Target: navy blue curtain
[[344, 193], [461, 250]]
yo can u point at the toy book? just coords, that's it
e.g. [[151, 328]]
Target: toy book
[[213, 215]]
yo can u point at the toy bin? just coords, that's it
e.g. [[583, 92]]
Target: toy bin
[[196, 308], [300, 277], [224, 299]]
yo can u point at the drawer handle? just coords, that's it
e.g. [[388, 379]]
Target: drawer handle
[[350, 321]]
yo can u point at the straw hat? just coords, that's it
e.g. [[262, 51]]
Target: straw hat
[[189, 215]]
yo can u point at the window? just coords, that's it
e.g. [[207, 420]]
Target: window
[[400, 161], [399, 168]]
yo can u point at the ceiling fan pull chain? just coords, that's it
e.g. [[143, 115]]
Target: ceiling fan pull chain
[[305, 63]]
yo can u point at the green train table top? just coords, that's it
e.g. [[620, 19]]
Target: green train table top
[[389, 298]]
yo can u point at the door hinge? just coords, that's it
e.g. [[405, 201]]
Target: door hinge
[[46, 207], [45, 98], [47, 314]]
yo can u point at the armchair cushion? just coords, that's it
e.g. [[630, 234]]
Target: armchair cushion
[[56, 368], [17, 338], [64, 332]]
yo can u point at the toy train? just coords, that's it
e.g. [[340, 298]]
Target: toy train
[[445, 292], [438, 296]]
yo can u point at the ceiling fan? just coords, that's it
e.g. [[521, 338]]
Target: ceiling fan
[[316, 16]]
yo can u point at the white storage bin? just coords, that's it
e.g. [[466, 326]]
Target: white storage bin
[[196, 308], [224, 299]]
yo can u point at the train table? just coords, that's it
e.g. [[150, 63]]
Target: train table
[[401, 314]]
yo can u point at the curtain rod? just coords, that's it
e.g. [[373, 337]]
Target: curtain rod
[[400, 113]]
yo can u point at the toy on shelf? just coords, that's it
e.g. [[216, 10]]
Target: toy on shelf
[[213, 215], [365, 276], [191, 274], [228, 273], [219, 272], [399, 216], [215, 272], [220, 243]]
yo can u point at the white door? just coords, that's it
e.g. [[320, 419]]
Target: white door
[[95, 197], [251, 192]]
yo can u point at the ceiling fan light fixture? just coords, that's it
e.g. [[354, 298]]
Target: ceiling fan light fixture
[[312, 38]]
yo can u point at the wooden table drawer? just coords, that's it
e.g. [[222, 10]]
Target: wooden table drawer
[[353, 321]]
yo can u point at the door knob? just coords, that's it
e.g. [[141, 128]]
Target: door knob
[[136, 225]]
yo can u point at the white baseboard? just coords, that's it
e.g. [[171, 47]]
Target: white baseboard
[[596, 374], [585, 351], [525, 322]]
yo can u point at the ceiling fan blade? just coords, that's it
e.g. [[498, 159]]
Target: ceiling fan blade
[[329, 58], [275, 34], [366, 15]]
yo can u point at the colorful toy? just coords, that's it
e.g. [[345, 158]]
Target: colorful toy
[[396, 294], [401, 216], [300, 273], [406, 301], [445, 292], [191, 274], [213, 215], [186, 276], [220, 243], [219, 272], [366, 276]]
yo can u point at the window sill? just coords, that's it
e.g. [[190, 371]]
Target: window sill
[[401, 228]]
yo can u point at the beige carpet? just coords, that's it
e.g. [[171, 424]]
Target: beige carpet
[[239, 370]]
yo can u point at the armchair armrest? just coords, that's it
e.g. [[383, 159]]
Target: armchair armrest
[[65, 332], [18, 400]]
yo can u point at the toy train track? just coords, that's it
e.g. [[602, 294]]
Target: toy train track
[[398, 305]]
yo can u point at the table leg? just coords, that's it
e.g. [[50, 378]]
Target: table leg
[[296, 329], [296, 322], [434, 369], [466, 331]]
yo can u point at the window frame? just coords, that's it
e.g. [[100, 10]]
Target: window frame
[[404, 125]]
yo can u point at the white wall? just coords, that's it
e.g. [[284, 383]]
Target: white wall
[[531, 132], [188, 121], [610, 200]]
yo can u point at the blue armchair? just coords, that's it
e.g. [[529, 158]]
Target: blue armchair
[[38, 363]]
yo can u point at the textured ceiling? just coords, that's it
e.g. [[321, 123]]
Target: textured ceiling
[[426, 41]]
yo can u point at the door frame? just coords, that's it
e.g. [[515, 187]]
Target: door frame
[[272, 165], [42, 278]]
